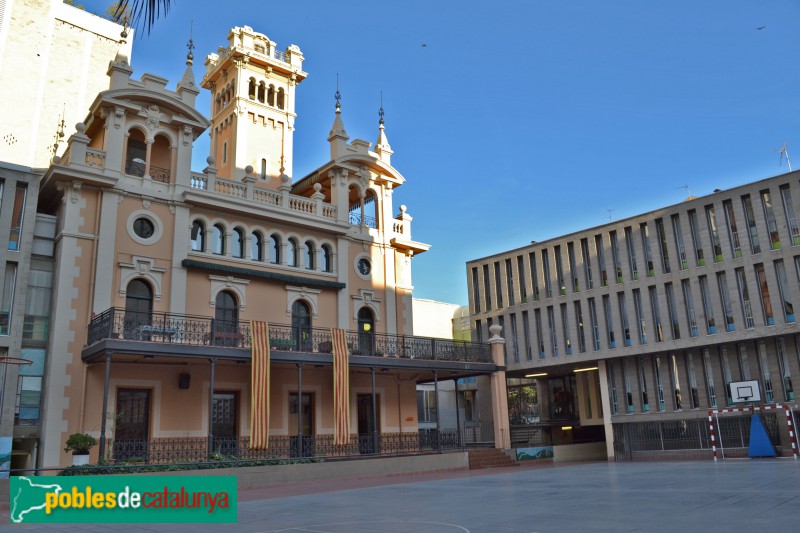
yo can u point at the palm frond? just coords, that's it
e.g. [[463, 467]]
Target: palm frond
[[140, 12]]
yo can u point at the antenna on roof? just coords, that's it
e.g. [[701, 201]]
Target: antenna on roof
[[608, 216], [784, 152], [686, 188]]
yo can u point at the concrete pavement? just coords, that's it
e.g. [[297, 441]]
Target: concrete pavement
[[730, 496]]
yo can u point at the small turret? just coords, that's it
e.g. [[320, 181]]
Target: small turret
[[338, 136], [187, 88], [382, 147]]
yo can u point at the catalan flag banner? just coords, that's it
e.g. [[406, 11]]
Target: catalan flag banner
[[341, 388], [259, 385]]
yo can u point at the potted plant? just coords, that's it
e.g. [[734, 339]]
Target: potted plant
[[80, 444]]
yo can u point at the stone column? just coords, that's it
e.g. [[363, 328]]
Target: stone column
[[502, 436]]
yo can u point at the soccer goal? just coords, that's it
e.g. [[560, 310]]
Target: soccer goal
[[718, 439]]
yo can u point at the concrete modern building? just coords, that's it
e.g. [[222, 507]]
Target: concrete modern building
[[628, 333], [53, 61], [26, 266], [159, 271]]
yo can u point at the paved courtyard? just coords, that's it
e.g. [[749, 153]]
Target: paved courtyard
[[733, 496]]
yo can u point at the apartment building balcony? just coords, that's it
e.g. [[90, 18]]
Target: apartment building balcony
[[178, 335]]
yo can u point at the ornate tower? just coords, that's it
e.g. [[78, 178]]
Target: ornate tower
[[252, 87]]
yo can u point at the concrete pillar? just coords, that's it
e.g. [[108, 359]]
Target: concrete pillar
[[502, 435], [605, 398]]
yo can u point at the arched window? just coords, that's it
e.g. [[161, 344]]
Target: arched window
[[271, 95], [326, 258], [198, 236], [136, 154], [274, 249], [308, 255], [366, 331], [160, 168], [291, 252], [256, 250], [226, 320], [263, 169], [237, 243], [280, 102], [138, 310], [301, 327], [371, 209], [261, 92], [218, 239], [251, 89]]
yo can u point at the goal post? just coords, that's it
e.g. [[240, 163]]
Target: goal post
[[716, 435]]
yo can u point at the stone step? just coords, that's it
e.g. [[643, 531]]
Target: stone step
[[489, 458]]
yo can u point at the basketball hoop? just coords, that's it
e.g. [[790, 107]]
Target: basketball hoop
[[14, 361]]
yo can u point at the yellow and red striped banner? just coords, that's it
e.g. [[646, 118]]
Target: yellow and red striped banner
[[259, 385], [341, 388]]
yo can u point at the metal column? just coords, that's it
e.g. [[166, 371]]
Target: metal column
[[300, 410], [211, 409], [374, 416], [436, 404], [105, 409], [458, 415]]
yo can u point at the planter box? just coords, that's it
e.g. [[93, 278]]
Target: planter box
[[80, 460]]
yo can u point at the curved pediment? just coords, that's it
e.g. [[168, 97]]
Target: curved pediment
[[142, 99]]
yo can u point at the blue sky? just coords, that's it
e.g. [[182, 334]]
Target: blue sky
[[524, 120]]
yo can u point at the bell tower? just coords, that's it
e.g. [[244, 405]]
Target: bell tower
[[252, 86]]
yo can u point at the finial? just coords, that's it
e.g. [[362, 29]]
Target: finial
[[190, 46], [338, 96], [380, 112]]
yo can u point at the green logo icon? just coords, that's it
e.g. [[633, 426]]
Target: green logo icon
[[122, 499]]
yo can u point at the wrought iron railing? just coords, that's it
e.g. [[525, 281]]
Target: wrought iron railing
[[195, 449], [357, 220], [160, 174], [171, 328]]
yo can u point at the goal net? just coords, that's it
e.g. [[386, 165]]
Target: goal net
[[729, 430]]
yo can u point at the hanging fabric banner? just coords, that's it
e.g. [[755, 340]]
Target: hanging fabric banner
[[259, 385], [341, 388]]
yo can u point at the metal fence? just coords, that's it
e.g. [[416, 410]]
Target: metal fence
[[195, 449], [690, 437], [171, 328]]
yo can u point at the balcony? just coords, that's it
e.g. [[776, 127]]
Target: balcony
[[176, 329], [195, 449], [239, 190]]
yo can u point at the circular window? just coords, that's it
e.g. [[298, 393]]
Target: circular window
[[364, 266], [143, 227]]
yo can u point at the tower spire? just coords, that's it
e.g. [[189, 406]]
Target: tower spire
[[338, 136], [382, 147], [187, 81]]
